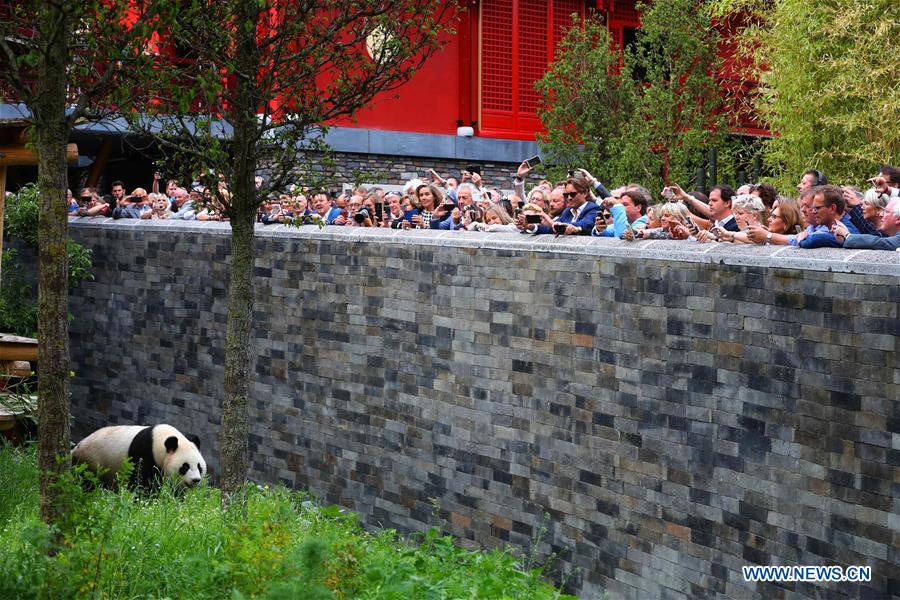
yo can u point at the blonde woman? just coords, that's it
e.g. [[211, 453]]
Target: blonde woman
[[495, 219], [749, 212], [159, 206], [873, 205], [669, 221]]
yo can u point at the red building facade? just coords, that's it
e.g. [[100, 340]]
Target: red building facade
[[484, 78], [474, 101]]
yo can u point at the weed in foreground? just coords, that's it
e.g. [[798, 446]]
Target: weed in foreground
[[276, 544]]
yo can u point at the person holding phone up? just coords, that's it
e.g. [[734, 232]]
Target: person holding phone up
[[628, 211], [428, 212]]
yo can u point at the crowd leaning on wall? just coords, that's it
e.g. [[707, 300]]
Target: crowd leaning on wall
[[818, 214]]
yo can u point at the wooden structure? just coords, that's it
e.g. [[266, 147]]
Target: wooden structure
[[16, 352], [15, 153]]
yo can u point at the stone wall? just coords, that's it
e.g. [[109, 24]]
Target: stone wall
[[676, 410], [397, 170]]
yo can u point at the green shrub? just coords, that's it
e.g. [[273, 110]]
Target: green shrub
[[648, 114], [275, 544], [18, 297]]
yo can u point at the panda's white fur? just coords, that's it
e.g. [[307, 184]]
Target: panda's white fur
[[154, 450]]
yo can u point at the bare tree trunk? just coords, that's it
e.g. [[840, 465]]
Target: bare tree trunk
[[235, 428], [50, 134], [234, 452]]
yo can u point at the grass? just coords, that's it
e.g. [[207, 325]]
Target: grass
[[277, 544]]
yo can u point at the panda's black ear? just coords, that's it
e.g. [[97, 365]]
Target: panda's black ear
[[171, 444], [194, 438]]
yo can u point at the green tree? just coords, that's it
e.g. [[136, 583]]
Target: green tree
[[649, 121], [829, 74], [65, 60], [260, 78], [678, 110], [584, 102]]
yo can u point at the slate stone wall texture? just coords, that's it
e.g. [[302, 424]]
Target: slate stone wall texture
[[677, 410], [397, 170]]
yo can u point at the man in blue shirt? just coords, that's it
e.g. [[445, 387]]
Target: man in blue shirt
[[628, 211], [827, 209]]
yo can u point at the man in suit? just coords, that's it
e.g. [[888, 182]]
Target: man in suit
[[890, 227], [578, 216], [720, 212]]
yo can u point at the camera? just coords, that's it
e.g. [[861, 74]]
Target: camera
[[362, 214]]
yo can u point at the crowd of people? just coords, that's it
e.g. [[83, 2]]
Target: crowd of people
[[819, 215]]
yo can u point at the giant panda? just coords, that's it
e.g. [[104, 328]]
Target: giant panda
[[155, 451]]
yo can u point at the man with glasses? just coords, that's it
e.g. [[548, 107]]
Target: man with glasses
[[827, 208], [578, 216], [889, 230]]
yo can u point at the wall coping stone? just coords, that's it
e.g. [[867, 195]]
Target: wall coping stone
[[866, 262]]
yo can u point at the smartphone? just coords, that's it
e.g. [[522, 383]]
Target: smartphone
[[379, 211], [474, 169], [570, 173], [276, 208], [449, 206], [533, 161], [559, 228], [533, 219]]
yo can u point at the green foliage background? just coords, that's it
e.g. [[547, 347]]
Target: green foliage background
[[274, 544], [830, 83], [649, 120], [18, 296]]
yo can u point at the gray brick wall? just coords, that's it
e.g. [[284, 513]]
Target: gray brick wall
[[678, 410], [397, 170]]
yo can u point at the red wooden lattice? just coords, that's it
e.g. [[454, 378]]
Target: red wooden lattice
[[518, 40], [496, 55]]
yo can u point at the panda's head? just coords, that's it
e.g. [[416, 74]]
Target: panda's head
[[182, 460]]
